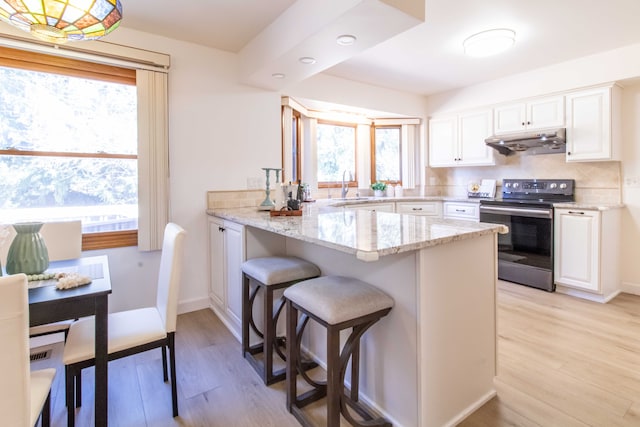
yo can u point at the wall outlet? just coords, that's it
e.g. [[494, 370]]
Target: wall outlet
[[632, 182], [255, 183]]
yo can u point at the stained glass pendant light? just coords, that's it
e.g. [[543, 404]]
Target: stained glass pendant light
[[58, 21]]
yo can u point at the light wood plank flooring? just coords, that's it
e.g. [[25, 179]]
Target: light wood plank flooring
[[562, 362]]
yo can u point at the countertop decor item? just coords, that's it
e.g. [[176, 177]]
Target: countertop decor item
[[285, 212], [28, 253], [379, 188], [268, 204]]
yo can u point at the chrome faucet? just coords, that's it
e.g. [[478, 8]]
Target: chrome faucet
[[345, 185]]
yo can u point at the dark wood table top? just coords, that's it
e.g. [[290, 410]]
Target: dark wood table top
[[45, 293]]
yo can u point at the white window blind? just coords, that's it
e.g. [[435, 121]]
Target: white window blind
[[153, 159]]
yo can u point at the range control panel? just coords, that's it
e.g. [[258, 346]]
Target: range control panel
[[537, 187]]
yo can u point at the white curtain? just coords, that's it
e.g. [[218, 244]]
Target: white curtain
[[153, 159]]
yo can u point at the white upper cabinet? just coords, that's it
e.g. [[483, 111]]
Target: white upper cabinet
[[459, 140], [593, 124], [443, 141], [540, 113]]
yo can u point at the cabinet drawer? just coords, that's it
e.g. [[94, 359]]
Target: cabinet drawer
[[420, 208], [379, 207], [456, 210]]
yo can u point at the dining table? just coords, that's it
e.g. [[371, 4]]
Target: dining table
[[48, 304]]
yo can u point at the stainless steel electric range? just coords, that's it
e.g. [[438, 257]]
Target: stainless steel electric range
[[525, 253]]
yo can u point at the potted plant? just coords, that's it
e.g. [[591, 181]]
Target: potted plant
[[378, 188]]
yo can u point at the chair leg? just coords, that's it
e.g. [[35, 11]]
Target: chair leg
[[46, 411], [78, 387], [164, 363], [69, 389], [172, 362]]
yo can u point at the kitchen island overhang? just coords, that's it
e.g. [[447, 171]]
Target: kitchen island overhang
[[432, 361]]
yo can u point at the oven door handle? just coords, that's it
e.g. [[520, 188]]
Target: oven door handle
[[524, 212]]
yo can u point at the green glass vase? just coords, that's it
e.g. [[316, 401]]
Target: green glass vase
[[27, 254]]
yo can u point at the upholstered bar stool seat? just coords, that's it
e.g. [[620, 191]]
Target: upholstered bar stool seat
[[269, 274], [337, 303]]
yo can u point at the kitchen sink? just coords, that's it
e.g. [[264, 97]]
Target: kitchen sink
[[353, 198]]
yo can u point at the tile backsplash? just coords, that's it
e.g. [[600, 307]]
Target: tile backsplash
[[596, 182]]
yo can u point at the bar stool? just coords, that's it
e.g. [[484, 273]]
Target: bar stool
[[336, 303], [269, 274]]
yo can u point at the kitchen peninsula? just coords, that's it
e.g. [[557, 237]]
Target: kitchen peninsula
[[432, 360]]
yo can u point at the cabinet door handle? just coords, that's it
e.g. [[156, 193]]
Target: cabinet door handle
[[576, 213], [221, 229], [416, 209], [528, 123], [568, 153], [460, 210]]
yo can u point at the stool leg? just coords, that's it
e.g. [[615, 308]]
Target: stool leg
[[246, 313], [355, 370], [269, 335], [334, 385], [291, 320]]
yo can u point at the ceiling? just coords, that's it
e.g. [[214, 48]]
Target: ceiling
[[428, 57]]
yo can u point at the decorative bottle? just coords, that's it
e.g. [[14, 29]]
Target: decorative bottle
[[28, 253]]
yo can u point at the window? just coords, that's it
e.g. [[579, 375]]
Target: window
[[336, 145], [386, 160], [296, 137], [68, 145]]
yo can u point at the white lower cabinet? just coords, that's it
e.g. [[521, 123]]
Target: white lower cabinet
[[226, 255], [379, 207], [431, 208], [586, 253], [461, 210]]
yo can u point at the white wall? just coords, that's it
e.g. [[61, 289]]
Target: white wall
[[220, 133], [622, 65], [631, 188]]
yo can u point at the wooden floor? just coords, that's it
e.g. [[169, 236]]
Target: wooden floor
[[562, 362]]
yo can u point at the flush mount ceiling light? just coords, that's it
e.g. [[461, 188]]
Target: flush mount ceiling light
[[490, 42], [307, 60], [58, 21], [346, 40]]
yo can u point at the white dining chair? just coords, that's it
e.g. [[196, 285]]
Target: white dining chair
[[133, 331], [24, 395]]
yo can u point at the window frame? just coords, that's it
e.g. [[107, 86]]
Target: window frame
[[41, 62], [296, 126], [354, 181], [373, 153]]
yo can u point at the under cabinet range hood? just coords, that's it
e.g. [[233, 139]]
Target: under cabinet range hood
[[548, 141]]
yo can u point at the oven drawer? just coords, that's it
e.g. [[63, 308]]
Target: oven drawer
[[461, 210]]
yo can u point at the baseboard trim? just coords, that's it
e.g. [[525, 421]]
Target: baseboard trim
[[603, 299], [193, 305], [472, 408], [631, 288]]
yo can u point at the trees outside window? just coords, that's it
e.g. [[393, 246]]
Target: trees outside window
[[336, 144], [386, 160], [68, 149]]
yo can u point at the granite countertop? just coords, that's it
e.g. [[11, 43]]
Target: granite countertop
[[417, 199], [366, 234], [589, 206]]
